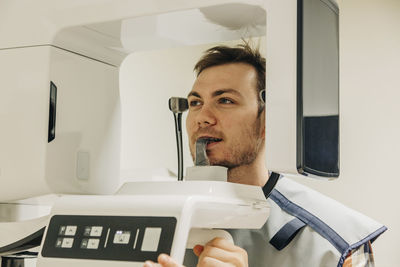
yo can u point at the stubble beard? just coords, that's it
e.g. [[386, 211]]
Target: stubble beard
[[242, 153]]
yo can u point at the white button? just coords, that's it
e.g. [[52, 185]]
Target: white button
[[67, 243], [122, 237], [70, 230], [96, 230], [93, 243], [151, 239]]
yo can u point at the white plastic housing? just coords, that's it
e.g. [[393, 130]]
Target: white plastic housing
[[79, 46], [84, 156], [281, 86], [101, 31], [195, 204]]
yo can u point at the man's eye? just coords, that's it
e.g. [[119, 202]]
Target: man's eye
[[194, 103], [225, 101]]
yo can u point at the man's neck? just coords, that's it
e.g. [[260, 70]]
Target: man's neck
[[252, 174]]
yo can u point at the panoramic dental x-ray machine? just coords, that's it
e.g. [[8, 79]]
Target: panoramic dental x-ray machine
[[61, 123]]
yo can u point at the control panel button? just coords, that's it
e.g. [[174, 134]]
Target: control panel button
[[122, 237], [67, 242], [96, 231], [93, 243], [70, 230], [151, 238]]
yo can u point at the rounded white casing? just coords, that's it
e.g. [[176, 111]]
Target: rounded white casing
[[198, 205]]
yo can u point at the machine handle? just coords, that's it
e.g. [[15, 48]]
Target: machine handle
[[52, 112]]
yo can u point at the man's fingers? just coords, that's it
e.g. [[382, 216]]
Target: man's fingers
[[150, 264], [211, 262], [222, 251], [198, 249], [237, 258], [166, 261], [223, 244], [163, 261]]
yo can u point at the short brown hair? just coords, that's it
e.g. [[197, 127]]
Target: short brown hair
[[242, 53]]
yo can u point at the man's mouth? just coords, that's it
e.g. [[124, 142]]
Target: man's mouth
[[211, 141]]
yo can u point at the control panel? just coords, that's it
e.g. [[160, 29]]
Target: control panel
[[124, 238]]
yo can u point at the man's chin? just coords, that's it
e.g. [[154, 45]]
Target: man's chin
[[223, 163]]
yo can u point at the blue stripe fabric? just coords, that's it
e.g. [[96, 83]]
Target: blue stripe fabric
[[314, 222], [286, 234], [320, 227]]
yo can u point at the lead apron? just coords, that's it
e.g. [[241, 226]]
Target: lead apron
[[305, 228]]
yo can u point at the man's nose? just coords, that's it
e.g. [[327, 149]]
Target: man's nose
[[206, 117]]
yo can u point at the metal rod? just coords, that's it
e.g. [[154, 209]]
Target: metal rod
[[178, 132]]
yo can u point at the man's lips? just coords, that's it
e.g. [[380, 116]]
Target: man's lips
[[211, 141], [212, 144]]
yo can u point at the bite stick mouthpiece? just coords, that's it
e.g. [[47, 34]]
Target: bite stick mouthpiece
[[201, 153], [178, 104]]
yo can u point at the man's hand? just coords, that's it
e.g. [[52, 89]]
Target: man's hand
[[221, 252], [163, 260]]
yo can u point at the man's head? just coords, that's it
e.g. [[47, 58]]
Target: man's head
[[224, 104]]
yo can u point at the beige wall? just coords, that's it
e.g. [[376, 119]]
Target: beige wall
[[369, 106]]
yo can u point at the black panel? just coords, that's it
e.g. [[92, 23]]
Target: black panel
[[321, 144], [299, 89], [111, 226], [52, 112]]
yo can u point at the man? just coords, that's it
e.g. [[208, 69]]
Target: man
[[224, 104]]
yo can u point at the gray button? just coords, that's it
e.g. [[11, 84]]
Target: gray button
[[93, 243], [67, 242], [151, 239], [122, 237], [96, 230], [71, 230]]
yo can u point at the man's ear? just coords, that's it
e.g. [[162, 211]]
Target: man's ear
[[262, 124]]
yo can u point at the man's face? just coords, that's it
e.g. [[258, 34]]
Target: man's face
[[223, 104]]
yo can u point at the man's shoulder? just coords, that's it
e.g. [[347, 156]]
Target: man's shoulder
[[342, 226]]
